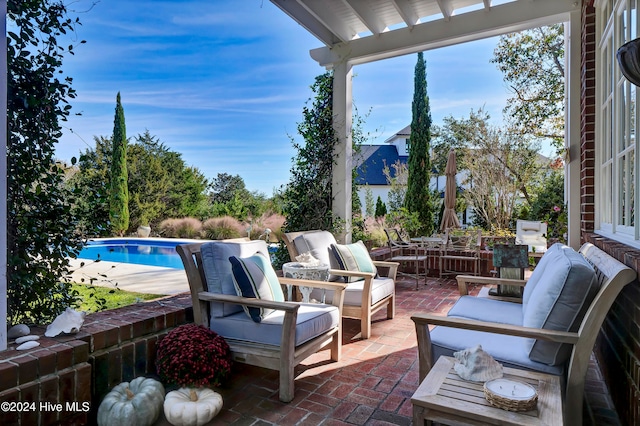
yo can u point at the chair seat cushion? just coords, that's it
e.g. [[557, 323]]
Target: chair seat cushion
[[353, 257], [313, 320], [380, 288], [255, 277], [510, 351], [484, 309]]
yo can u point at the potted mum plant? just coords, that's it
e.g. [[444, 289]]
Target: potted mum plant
[[193, 356]]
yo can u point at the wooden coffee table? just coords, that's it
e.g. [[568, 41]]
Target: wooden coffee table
[[446, 398]]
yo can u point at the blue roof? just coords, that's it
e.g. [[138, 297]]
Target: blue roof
[[371, 161]]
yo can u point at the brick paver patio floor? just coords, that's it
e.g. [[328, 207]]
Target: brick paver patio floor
[[374, 381]]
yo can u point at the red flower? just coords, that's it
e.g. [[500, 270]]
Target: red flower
[[192, 355]]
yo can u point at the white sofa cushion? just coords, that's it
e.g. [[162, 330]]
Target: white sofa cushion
[[217, 269], [313, 320], [319, 245], [254, 277], [559, 301]]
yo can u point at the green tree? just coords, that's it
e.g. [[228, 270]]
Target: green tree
[[548, 204], [231, 197], [418, 198], [381, 207], [396, 176], [40, 224], [224, 187], [119, 195], [368, 202], [148, 181], [456, 133], [532, 62], [160, 185], [90, 197], [307, 198]]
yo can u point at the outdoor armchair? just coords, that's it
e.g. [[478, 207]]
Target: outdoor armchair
[[553, 331], [366, 292], [261, 330]]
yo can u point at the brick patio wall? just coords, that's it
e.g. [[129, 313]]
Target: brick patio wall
[[433, 261], [618, 345], [64, 379]]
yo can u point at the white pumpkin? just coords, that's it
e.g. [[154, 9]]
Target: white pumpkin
[[132, 404], [191, 407]]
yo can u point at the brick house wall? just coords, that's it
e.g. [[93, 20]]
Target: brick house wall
[[618, 345]]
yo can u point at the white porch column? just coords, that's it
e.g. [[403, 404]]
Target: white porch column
[[572, 128], [342, 122], [3, 179]]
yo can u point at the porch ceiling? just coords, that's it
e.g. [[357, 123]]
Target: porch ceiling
[[360, 31]]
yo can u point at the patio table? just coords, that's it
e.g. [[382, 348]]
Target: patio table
[[446, 398], [302, 272]]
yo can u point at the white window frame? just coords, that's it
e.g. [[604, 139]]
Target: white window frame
[[617, 163]]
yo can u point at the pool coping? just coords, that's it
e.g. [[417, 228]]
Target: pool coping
[[130, 277]]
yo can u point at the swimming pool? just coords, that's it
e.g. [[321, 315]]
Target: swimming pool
[[133, 250], [139, 251]]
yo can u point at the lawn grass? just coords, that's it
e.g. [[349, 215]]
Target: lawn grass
[[95, 298]]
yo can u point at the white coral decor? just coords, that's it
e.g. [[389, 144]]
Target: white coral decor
[[69, 321]]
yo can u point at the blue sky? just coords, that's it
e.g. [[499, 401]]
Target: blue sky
[[224, 83]]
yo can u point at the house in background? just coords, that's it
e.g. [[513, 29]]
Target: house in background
[[371, 161]]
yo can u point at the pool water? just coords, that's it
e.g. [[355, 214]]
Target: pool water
[[141, 252]]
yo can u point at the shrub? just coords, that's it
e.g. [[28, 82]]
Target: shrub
[[220, 228], [375, 230], [192, 355], [273, 221], [188, 227], [168, 228]]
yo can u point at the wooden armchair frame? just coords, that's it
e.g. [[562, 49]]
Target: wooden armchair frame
[[365, 311], [612, 276], [282, 358]]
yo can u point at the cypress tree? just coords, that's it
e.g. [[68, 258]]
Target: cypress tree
[[119, 194], [381, 207], [418, 198]]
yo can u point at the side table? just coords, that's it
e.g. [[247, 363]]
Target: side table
[[302, 272], [446, 398]]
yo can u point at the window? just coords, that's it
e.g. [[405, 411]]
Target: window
[[616, 162]]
